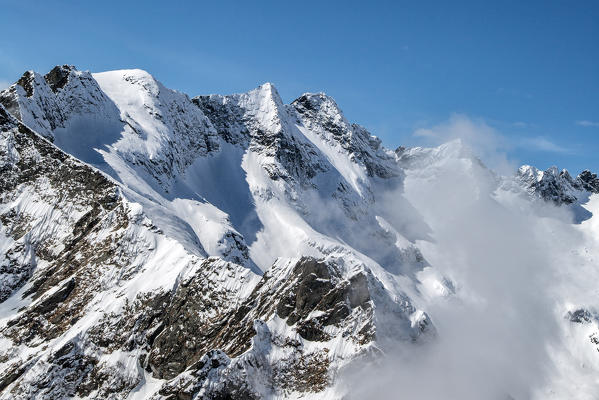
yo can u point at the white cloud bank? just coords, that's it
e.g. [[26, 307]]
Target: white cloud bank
[[517, 267]]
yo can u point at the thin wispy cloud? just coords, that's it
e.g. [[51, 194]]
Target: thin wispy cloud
[[491, 145], [486, 142], [4, 84], [587, 123], [541, 143]]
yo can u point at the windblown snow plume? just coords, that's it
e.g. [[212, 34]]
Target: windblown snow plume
[[505, 324], [159, 246]]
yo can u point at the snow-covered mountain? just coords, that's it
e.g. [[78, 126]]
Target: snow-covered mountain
[[559, 186], [161, 246]]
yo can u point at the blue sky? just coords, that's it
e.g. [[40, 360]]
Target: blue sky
[[525, 74]]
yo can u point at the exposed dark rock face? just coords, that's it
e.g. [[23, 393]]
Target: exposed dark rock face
[[215, 377], [30, 161], [320, 113], [58, 77], [226, 117], [26, 82], [8, 99], [558, 187], [314, 290], [586, 317], [72, 260], [196, 318], [176, 335], [172, 330], [295, 160], [186, 334], [580, 316], [589, 180]]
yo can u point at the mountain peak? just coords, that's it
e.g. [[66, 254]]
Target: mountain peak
[[318, 100], [529, 172], [266, 96], [44, 102], [58, 77], [26, 82], [137, 78], [320, 104], [267, 86], [557, 186], [589, 180], [320, 113]]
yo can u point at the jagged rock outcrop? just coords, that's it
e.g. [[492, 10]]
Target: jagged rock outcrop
[[36, 172], [259, 120], [557, 186], [589, 181], [320, 114], [69, 107], [589, 320]]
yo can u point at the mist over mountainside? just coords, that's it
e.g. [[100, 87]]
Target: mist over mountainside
[[236, 247]]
